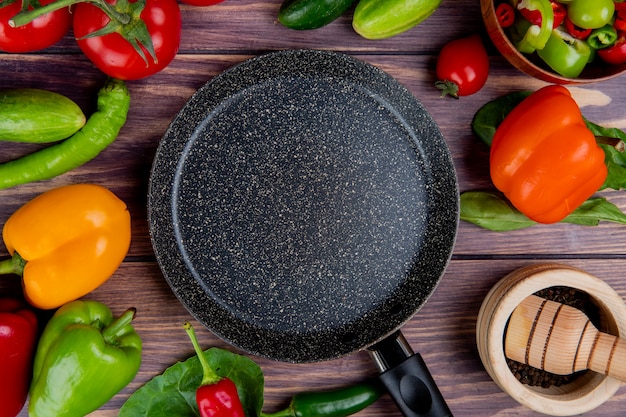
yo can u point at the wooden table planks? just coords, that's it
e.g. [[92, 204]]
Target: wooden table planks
[[443, 331]]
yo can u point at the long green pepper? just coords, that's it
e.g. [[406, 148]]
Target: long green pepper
[[341, 402], [100, 131]]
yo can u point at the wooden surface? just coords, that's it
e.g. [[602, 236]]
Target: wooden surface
[[443, 331]]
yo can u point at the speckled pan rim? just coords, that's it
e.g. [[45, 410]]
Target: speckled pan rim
[[439, 230]]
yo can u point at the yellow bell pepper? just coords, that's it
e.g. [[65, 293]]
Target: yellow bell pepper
[[66, 242]]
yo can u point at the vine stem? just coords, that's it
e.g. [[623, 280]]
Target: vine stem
[[27, 16]]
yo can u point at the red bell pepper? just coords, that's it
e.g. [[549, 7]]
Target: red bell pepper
[[616, 54], [576, 31], [534, 16], [544, 158], [217, 396], [506, 15], [18, 337]]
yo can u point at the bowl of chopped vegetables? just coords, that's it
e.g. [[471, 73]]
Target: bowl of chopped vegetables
[[560, 41]]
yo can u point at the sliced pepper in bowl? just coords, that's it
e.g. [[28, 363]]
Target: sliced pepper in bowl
[[565, 54], [615, 54], [536, 34]]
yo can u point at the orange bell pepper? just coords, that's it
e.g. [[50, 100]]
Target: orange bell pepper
[[66, 242], [544, 158]]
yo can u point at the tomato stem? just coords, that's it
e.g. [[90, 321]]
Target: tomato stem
[[26, 16]]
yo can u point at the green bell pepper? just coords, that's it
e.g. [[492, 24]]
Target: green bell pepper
[[590, 14], [565, 54], [536, 37], [84, 357]]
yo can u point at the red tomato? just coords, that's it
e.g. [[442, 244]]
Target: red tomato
[[201, 2], [114, 55], [39, 34], [462, 67]]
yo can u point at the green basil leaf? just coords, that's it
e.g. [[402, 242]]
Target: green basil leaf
[[595, 210], [489, 116], [173, 392], [615, 160], [492, 211]]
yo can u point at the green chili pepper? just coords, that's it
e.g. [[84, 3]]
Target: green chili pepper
[[602, 37], [565, 54], [100, 131], [535, 37], [340, 402], [84, 357]]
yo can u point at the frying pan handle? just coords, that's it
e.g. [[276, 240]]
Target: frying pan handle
[[407, 379]]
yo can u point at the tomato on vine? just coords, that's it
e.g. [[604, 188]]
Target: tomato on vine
[[125, 39], [462, 67], [125, 51], [41, 33]]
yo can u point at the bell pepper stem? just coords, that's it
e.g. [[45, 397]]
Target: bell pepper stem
[[615, 143], [27, 16], [13, 265], [209, 376], [111, 333]]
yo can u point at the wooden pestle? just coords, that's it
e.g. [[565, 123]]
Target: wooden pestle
[[562, 340]]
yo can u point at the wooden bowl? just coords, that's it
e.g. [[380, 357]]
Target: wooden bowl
[[584, 393], [531, 64]]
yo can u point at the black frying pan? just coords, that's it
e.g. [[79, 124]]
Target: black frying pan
[[303, 205]]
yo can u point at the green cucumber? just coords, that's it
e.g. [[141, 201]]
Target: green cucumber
[[37, 116], [311, 14], [380, 19]]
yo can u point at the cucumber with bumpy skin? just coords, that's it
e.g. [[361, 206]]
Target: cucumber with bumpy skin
[[311, 14], [37, 116], [380, 19]]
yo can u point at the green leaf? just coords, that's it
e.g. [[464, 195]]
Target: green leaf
[[173, 392], [615, 160], [489, 116], [493, 211], [595, 210]]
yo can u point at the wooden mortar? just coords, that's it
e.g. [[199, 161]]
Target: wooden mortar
[[584, 393]]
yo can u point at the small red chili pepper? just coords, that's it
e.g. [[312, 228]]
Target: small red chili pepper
[[620, 22], [18, 337], [217, 396], [505, 14], [616, 54], [620, 6], [576, 31], [534, 16]]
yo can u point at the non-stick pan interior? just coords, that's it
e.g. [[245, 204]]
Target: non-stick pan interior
[[303, 205]]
